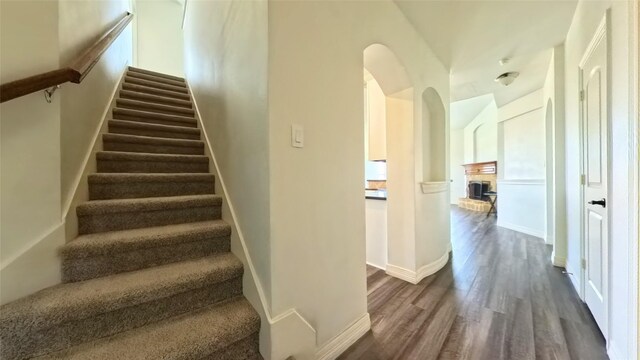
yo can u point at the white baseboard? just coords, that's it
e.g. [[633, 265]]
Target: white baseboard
[[574, 277], [291, 335], [415, 277], [614, 352], [341, 342], [37, 261], [558, 261], [376, 266], [522, 229]]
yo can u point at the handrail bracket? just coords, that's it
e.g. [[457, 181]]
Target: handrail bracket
[[48, 93]]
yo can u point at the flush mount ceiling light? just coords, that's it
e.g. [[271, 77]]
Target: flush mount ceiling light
[[507, 78]]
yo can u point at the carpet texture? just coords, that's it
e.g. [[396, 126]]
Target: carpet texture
[[151, 275]]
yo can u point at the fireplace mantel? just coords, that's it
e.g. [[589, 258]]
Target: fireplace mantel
[[482, 168]]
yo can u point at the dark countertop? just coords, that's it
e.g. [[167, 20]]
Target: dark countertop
[[375, 194]]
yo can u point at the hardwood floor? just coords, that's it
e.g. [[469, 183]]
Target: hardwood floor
[[499, 297]]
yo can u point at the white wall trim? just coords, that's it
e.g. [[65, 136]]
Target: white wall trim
[[573, 276], [341, 342], [80, 175], [434, 187], [522, 113], [634, 181], [28, 246], [415, 277], [522, 229], [614, 352], [273, 321], [376, 266], [558, 261], [521, 181]]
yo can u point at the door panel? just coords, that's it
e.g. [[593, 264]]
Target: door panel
[[595, 167]]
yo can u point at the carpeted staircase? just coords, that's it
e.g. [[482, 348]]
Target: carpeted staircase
[[151, 275]]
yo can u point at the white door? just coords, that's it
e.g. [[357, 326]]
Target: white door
[[595, 161]]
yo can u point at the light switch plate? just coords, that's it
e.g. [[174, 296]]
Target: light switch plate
[[297, 136]]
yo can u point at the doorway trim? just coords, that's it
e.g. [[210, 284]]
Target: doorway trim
[[634, 173], [601, 34]]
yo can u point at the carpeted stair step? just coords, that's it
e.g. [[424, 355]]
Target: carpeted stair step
[[153, 73], [156, 78], [146, 144], [153, 118], [227, 331], [102, 254], [155, 91], [154, 99], [68, 314], [129, 162], [155, 107], [121, 214], [153, 130], [155, 85], [105, 186]]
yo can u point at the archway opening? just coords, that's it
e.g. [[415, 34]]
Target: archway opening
[[388, 120]]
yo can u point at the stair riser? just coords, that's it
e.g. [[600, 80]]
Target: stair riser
[[155, 91], [157, 109], [76, 332], [152, 148], [89, 224], [153, 133], [111, 166], [156, 85], [101, 191], [97, 266], [247, 349], [193, 124], [154, 73], [154, 78], [154, 99]]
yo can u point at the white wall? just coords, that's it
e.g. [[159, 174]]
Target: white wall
[[480, 136], [318, 220], [376, 233], [521, 165], [30, 153], [586, 20], [159, 36], [377, 121], [44, 146], [456, 160]]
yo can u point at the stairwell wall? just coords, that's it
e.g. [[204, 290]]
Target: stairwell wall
[[45, 147], [225, 57]]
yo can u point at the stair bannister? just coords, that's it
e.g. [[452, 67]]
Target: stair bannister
[[75, 72]]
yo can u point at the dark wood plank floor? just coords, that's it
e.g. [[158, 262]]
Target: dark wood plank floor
[[499, 297]]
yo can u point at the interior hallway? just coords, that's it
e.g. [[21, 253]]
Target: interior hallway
[[499, 297]]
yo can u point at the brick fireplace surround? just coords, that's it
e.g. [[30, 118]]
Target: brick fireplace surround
[[485, 171]]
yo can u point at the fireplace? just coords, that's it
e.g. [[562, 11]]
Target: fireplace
[[480, 178], [477, 189]]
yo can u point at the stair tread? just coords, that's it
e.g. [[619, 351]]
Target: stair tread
[[155, 91], [156, 85], [129, 240], [150, 72], [136, 156], [137, 139], [116, 178], [79, 300], [155, 99], [156, 78], [152, 115], [194, 335], [152, 105], [97, 207], [158, 127]]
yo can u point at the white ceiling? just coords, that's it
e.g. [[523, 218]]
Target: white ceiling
[[470, 37], [463, 111]]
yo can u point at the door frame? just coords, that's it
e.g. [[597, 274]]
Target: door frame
[[601, 34], [634, 133]]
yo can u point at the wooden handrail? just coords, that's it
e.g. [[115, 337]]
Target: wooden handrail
[[75, 72]]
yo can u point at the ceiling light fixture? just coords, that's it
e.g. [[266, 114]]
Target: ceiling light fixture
[[507, 78]]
